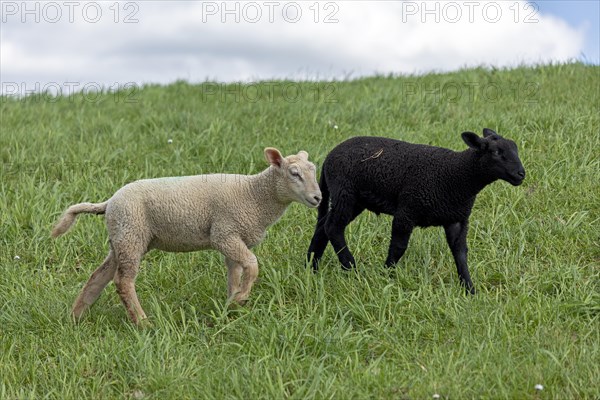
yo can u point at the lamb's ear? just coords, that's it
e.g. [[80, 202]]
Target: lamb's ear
[[488, 132], [273, 156], [303, 155], [473, 141]]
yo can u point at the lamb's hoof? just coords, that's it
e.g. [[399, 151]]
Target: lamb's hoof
[[76, 318], [389, 270], [78, 311], [312, 262], [470, 291], [351, 266], [233, 305], [241, 302], [144, 323], [237, 302]]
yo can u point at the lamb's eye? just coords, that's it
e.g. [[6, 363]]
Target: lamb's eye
[[295, 174], [496, 152]]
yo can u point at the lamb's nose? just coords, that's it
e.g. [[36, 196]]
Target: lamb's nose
[[521, 174], [317, 198]]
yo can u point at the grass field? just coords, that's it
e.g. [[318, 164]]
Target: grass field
[[534, 249]]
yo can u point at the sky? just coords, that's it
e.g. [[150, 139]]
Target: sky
[[85, 45], [582, 14]]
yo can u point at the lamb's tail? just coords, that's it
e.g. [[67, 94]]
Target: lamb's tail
[[68, 218]]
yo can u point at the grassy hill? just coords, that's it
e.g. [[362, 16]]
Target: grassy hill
[[534, 249]]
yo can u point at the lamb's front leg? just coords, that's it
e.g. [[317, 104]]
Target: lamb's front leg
[[456, 235], [238, 253], [250, 266], [234, 276]]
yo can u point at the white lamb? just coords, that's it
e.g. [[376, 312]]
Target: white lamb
[[228, 213]]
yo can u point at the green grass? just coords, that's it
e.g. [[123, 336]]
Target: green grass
[[534, 249]]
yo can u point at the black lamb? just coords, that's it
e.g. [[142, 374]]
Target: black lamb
[[418, 185]]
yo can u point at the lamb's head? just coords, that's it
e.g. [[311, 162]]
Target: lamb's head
[[294, 177], [499, 157]]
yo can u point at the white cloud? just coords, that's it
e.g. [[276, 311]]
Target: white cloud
[[181, 40]]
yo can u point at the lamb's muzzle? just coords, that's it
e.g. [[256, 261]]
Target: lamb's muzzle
[[316, 200]]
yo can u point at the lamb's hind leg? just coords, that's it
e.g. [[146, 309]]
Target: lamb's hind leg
[[343, 211], [94, 286], [317, 244], [127, 269], [401, 231]]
